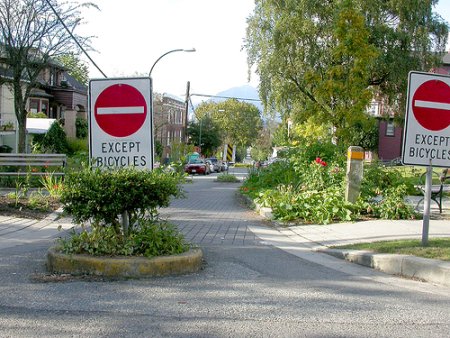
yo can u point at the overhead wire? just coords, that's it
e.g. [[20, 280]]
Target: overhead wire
[[75, 39]]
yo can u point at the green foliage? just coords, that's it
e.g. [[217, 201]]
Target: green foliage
[[309, 185], [54, 141], [393, 205], [81, 128], [77, 68], [158, 149], [39, 115], [327, 59], [205, 134], [149, 239], [52, 184], [227, 178], [76, 146], [239, 122], [101, 196], [437, 248]]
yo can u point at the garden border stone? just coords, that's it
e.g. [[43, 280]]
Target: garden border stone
[[132, 267]]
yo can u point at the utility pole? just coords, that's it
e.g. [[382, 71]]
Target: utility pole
[[186, 113]]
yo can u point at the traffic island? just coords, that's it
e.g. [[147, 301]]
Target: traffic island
[[126, 267]]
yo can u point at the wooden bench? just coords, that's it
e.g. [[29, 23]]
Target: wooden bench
[[437, 190], [25, 162]]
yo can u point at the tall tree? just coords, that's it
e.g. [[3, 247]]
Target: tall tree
[[205, 134], [325, 59], [76, 67], [239, 122], [31, 35]]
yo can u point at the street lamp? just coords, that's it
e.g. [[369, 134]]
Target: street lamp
[[170, 51]]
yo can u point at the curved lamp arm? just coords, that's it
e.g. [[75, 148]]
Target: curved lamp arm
[[170, 51]]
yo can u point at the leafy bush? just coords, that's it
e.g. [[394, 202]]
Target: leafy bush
[[77, 145], [81, 128], [227, 178], [101, 196], [54, 141], [149, 239], [310, 188]]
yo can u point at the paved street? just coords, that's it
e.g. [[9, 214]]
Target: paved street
[[248, 287]]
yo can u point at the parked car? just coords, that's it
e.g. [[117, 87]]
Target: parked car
[[216, 165], [197, 166]]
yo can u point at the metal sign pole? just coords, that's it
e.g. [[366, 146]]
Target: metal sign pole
[[426, 205]]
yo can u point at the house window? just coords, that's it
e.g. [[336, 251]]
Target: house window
[[374, 109], [34, 105], [390, 128]]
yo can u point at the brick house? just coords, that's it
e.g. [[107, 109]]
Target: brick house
[[169, 120], [390, 136]]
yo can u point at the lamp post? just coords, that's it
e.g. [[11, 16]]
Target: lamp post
[[157, 60], [170, 51]]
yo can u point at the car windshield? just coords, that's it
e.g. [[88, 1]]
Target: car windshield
[[213, 160], [196, 162]]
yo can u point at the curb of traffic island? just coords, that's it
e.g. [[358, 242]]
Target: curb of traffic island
[[262, 211], [429, 270], [131, 267]]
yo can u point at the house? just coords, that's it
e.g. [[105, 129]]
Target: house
[[390, 136], [169, 121], [58, 95]]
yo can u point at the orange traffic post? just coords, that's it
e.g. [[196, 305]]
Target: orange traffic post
[[355, 160]]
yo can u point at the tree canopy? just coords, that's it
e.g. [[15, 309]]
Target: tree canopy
[[31, 36], [76, 67], [239, 122], [205, 134], [327, 59]]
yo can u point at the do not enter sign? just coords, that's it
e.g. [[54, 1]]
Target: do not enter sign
[[121, 128], [431, 105], [426, 138], [120, 110]]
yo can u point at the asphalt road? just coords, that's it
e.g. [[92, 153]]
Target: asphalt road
[[246, 289]]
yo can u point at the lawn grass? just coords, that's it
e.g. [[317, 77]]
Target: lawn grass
[[437, 248]]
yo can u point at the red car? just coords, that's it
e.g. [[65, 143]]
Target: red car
[[197, 166]]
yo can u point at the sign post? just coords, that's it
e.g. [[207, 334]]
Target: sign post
[[426, 139], [121, 123]]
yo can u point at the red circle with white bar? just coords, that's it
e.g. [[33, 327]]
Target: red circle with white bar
[[431, 105], [120, 110]]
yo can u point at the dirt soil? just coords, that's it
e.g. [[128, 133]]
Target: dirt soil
[[23, 208]]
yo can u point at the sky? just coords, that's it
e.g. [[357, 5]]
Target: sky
[[129, 36]]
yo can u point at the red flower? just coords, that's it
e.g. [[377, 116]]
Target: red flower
[[321, 162]]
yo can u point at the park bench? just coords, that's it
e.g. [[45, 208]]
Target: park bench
[[437, 190], [24, 164]]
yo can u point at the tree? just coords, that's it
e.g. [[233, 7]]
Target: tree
[[31, 36], [239, 122], [205, 134], [76, 67], [326, 59]]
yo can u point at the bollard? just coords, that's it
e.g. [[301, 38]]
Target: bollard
[[355, 158]]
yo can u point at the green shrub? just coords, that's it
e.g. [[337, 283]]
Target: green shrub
[[101, 196], [227, 178], [54, 141], [149, 239], [81, 128], [77, 145]]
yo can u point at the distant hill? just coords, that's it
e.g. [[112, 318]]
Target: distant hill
[[241, 93]]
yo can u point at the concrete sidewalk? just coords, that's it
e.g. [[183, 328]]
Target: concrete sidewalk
[[16, 231]]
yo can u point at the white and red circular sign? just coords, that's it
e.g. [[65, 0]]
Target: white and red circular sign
[[431, 105], [120, 110]]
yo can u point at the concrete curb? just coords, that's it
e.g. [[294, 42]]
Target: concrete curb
[[134, 267], [429, 270]]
